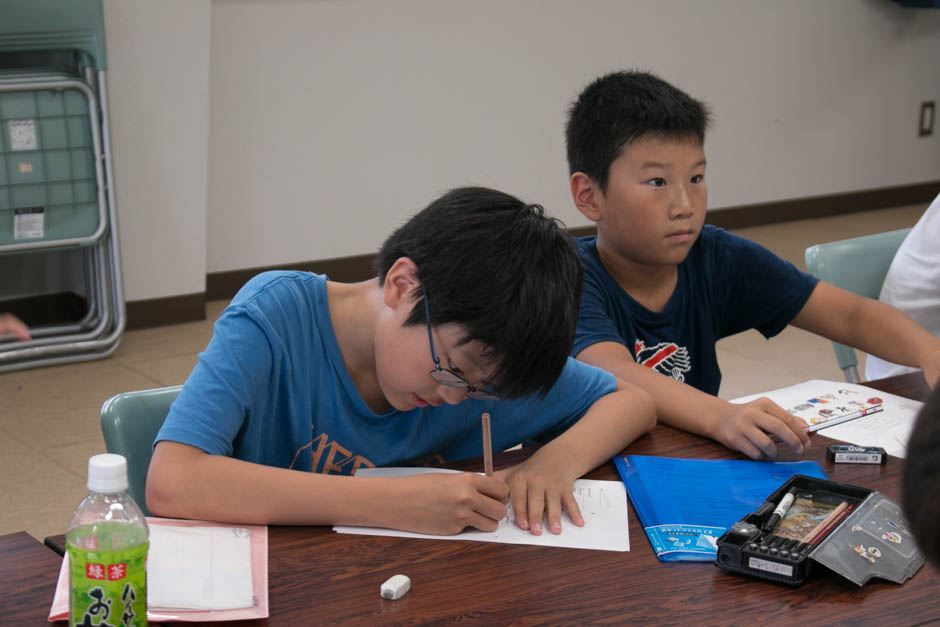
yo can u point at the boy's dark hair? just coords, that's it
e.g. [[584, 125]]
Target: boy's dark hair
[[620, 108], [502, 270], [920, 484]]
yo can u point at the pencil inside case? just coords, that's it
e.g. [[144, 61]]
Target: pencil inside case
[[854, 531]]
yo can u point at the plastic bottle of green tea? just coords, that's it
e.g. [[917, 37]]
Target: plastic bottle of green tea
[[107, 541]]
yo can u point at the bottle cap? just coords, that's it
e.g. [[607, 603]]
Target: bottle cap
[[107, 473]]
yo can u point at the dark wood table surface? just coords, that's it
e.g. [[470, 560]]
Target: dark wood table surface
[[28, 572], [318, 576]]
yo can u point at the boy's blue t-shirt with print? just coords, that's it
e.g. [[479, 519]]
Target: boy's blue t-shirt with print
[[271, 388], [726, 284]]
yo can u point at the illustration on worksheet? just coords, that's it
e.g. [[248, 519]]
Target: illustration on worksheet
[[835, 406]]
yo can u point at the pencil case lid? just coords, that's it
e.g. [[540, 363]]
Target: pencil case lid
[[873, 541]]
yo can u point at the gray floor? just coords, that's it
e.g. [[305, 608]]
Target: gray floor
[[49, 416]]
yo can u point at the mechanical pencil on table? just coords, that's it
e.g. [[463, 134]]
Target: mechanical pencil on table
[[781, 510], [847, 417], [487, 446], [835, 421]]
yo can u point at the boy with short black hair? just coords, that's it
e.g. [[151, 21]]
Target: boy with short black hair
[[661, 288], [475, 300]]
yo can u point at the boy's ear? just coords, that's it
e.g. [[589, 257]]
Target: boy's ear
[[587, 195], [400, 281]]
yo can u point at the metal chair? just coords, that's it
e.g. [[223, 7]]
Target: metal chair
[[858, 265], [56, 172], [129, 424]]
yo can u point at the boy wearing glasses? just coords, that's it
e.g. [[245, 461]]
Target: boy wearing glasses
[[473, 310]]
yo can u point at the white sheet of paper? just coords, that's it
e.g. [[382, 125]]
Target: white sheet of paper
[[199, 568], [603, 505], [889, 429]]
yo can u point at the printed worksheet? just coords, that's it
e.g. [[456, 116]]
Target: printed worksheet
[[603, 505], [889, 428]]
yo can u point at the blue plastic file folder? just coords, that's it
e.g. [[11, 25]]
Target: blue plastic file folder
[[684, 505]]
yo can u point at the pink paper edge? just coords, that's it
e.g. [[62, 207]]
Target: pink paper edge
[[259, 580]]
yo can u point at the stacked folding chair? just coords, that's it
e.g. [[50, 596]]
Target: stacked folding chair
[[56, 178]]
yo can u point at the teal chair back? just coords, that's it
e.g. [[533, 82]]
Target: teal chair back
[[129, 424], [858, 265]]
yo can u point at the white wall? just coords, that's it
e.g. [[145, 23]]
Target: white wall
[[158, 81], [330, 122]]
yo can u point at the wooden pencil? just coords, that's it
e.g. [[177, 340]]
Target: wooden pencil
[[487, 446], [835, 522], [808, 538]]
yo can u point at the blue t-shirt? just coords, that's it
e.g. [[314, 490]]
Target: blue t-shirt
[[727, 284], [271, 388]]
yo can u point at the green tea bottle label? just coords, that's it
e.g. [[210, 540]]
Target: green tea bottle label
[[108, 588]]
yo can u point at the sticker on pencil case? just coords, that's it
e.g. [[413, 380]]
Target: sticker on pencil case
[[863, 552], [771, 567], [885, 527], [892, 536]]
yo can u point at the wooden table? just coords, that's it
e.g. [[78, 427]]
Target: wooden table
[[318, 576], [28, 572]]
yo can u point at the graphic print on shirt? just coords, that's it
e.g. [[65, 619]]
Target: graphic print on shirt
[[667, 358], [337, 461]]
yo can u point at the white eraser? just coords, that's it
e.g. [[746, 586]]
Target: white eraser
[[396, 587]]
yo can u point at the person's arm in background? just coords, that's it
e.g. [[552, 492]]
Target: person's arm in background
[[746, 427], [872, 326], [11, 325]]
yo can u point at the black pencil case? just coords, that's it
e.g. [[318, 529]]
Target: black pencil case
[[871, 540]]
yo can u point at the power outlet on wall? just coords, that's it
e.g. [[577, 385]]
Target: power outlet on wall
[[926, 118]]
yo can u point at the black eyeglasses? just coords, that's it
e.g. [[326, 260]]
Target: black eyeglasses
[[448, 377]]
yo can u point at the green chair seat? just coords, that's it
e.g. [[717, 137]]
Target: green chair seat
[[129, 424], [858, 265]]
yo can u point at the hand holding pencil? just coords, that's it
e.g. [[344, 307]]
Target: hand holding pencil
[[448, 503]]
